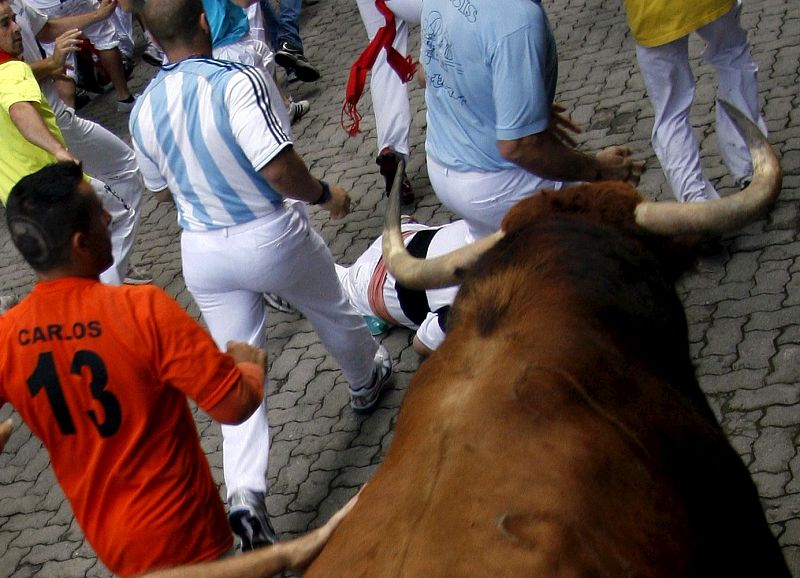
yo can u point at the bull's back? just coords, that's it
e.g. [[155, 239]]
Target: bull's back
[[500, 469]]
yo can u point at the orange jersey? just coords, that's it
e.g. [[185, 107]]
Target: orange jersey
[[100, 374]]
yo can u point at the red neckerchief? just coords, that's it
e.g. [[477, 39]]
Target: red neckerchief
[[404, 66], [5, 57]]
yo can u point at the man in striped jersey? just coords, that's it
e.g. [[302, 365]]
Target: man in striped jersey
[[213, 136]]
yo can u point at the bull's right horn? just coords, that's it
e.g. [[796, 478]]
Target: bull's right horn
[[420, 274], [729, 213]]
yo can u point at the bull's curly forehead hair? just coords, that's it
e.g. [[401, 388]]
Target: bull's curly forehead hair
[[43, 210], [173, 22]]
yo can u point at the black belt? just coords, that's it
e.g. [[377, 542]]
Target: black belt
[[414, 302]]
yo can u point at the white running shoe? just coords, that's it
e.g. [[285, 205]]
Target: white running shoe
[[365, 400]]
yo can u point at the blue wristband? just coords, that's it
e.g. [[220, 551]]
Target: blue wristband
[[326, 194]]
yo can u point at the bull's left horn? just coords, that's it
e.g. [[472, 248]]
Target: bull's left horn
[[729, 213], [420, 274]]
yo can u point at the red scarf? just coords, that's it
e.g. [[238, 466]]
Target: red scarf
[[403, 66], [5, 57]]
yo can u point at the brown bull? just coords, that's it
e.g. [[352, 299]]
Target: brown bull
[[560, 430]]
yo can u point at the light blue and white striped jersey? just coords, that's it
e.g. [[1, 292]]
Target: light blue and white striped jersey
[[204, 128]]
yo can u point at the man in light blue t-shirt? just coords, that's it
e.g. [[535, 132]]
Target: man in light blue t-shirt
[[494, 134]]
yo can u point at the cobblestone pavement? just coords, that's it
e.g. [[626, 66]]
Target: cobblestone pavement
[[743, 306]]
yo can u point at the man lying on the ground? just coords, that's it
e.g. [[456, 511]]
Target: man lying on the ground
[[375, 294]]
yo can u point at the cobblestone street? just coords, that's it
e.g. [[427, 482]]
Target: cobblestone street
[[743, 305]]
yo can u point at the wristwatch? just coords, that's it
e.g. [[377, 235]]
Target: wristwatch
[[326, 194]]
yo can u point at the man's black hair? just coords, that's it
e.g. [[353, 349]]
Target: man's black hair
[[173, 22], [43, 211]]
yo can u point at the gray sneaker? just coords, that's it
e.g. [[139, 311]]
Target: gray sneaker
[[7, 302], [278, 303], [365, 400], [250, 521], [137, 276]]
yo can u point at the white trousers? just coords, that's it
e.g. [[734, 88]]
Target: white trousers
[[123, 25], [227, 270], [483, 199], [117, 182], [255, 17], [670, 84], [389, 93]]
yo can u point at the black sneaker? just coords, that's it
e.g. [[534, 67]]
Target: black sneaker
[[290, 56], [388, 160], [249, 520], [291, 75], [153, 55], [81, 98]]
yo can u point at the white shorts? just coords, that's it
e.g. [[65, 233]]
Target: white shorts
[[483, 199], [102, 34]]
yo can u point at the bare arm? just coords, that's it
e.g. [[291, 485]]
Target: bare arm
[[288, 174], [293, 555], [545, 155], [27, 120], [5, 432], [46, 68], [55, 27], [420, 348], [56, 64], [551, 154]]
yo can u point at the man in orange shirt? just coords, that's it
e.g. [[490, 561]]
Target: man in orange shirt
[[293, 555], [101, 374]]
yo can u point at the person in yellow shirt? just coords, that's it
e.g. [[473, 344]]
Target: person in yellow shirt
[[30, 139], [661, 29], [30, 136]]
